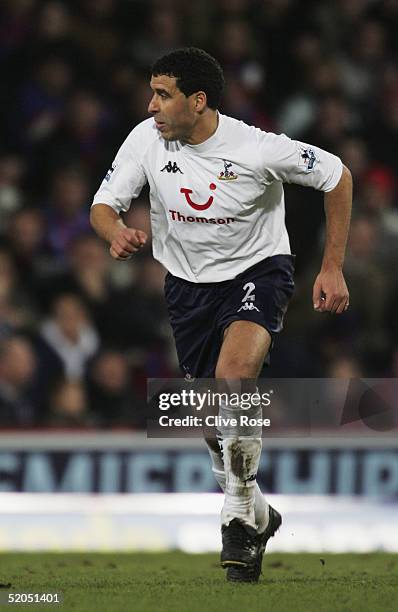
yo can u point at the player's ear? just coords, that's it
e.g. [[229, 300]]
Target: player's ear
[[200, 100]]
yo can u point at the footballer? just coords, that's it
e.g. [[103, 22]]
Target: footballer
[[218, 226]]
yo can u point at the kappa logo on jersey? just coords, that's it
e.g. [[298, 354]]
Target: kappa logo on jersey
[[110, 171], [248, 298], [309, 158], [171, 167], [205, 206], [227, 174]]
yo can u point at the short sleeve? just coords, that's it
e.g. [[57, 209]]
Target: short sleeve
[[292, 161], [125, 178]]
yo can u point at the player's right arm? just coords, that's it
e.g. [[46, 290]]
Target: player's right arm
[[122, 183], [123, 240]]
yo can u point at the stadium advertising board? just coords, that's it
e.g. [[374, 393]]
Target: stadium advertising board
[[296, 470]]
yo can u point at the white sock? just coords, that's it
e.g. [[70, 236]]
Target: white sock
[[261, 507], [241, 458]]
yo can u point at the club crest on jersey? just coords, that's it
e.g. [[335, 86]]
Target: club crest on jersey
[[307, 158], [248, 298], [227, 174]]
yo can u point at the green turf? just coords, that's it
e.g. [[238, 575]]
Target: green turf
[[175, 581]]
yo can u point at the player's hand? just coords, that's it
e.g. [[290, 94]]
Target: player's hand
[[330, 292], [127, 241]]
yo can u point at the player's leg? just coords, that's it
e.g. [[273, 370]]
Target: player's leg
[[242, 355], [252, 311], [247, 520], [249, 343]]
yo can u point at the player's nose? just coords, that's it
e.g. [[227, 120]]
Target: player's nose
[[153, 107]]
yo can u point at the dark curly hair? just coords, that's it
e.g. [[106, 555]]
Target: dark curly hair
[[195, 70]]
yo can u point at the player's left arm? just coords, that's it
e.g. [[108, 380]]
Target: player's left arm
[[330, 293], [291, 161]]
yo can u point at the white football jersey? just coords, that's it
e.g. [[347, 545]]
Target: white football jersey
[[217, 208]]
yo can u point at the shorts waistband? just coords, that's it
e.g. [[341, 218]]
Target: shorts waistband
[[260, 263]]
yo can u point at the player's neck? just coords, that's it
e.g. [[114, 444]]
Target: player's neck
[[205, 128]]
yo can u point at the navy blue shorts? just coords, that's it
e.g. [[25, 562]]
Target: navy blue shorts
[[200, 312]]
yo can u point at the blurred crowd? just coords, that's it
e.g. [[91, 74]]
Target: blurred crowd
[[79, 332]]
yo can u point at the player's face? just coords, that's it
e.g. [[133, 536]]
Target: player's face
[[175, 114]]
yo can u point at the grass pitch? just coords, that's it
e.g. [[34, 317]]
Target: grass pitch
[[167, 582]]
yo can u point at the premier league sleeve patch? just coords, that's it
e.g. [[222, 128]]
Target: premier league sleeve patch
[[307, 158], [110, 171]]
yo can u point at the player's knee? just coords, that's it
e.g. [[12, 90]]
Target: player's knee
[[236, 368]]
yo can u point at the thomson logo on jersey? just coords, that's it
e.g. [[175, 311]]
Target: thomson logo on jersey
[[205, 206], [227, 174], [177, 216]]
